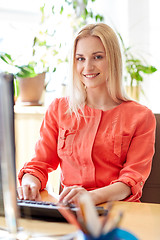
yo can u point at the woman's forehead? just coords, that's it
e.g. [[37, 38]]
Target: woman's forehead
[[89, 43]]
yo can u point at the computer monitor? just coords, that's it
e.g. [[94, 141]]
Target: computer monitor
[[8, 189], [8, 205]]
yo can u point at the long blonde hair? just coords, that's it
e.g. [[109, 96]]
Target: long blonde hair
[[110, 42]]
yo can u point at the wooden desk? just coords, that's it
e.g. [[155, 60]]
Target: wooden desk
[[142, 219]]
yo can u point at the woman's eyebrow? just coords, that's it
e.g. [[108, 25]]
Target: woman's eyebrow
[[98, 52], [94, 53]]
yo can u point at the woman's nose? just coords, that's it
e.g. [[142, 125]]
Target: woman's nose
[[89, 65]]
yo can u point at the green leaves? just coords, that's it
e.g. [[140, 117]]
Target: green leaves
[[135, 67], [7, 58], [75, 4], [147, 69], [42, 13], [61, 11], [26, 71], [99, 17], [23, 71]]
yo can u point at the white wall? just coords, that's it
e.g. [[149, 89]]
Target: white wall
[[18, 22], [154, 39], [138, 21], [115, 13], [144, 25]]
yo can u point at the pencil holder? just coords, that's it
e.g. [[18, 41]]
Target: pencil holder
[[115, 234]]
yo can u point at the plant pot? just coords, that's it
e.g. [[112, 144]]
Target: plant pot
[[31, 89], [133, 92]]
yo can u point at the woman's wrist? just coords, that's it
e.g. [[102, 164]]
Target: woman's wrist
[[114, 192], [29, 179]]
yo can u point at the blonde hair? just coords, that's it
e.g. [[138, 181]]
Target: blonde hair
[[110, 42]]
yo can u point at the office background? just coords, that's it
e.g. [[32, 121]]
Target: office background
[[138, 21]]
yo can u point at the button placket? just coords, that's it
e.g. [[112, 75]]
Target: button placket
[[62, 138], [88, 166], [118, 145]]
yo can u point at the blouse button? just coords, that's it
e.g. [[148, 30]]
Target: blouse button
[[141, 183]]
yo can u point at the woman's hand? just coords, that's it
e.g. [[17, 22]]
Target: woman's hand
[[71, 194], [29, 190], [114, 192]]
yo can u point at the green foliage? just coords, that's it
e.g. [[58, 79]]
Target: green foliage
[[16, 87], [46, 48], [40, 41], [135, 67], [26, 71], [23, 71], [7, 58], [88, 13]]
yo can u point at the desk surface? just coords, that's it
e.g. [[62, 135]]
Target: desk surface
[[142, 219]]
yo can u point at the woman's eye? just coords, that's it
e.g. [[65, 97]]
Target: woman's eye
[[80, 59], [98, 57]]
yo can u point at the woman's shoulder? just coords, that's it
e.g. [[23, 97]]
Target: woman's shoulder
[[59, 103], [137, 111], [57, 107], [133, 106]]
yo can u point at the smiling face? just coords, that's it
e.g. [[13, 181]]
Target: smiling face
[[91, 62]]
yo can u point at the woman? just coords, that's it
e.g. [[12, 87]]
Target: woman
[[103, 141]]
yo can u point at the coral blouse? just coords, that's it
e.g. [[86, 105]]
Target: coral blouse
[[105, 147]]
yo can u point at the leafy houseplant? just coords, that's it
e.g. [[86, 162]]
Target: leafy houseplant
[[47, 48], [135, 68], [28, 84]]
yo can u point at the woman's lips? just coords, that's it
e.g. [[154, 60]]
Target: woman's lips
[[91, 75]]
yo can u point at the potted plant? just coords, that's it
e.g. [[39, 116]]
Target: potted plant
[[29, 77], [47, 52], [135, 68], [28, 83]]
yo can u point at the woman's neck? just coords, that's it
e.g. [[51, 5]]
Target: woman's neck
[[104, 107], [101, 100]]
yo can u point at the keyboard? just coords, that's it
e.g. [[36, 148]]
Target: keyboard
[[46, 211]]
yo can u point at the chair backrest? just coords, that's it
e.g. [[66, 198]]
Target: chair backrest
[[151, 189]]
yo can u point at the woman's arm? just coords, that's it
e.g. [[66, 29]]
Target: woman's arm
[[45, 158], [113, 192]]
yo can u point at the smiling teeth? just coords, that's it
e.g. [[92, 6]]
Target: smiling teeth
[[90, 75]]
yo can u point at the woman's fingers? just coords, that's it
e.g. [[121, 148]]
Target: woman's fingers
[[64, 193], [20, 193], [23, 192], [34, 194], [30, 188], [70, 194], [28, 192]]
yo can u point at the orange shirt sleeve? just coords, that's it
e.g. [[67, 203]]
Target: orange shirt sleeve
[[138, 163], [45, 159]]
